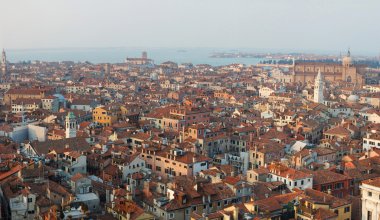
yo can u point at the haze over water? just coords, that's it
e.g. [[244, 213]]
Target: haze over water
[[118, 55]]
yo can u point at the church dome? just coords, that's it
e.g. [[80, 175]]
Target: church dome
[[353, 98]]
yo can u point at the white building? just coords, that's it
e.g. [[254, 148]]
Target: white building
[[20, 132], [265, 92], [90, 199], [291, 177], [22, 206], [133, 164], [280, 76], [336, 110], [372, 88], [370, 191], [318, 88], [75, 89], [70, 162], [370, 141], [371, 115], [50, 103], [296, 147], [18, 201], [80, 184]]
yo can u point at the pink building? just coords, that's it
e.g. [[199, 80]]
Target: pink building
[[174, 162], [184, 117]]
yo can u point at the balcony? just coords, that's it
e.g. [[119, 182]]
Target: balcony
[[18, 206], [306, 212]]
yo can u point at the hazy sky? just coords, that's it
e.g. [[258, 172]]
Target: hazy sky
[[323, 25]]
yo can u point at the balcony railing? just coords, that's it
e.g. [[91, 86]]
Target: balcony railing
[[305, 211]]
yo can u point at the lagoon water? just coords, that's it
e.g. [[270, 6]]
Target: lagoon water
[[118, 55]]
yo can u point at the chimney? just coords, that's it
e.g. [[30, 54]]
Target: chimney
[[236, 213], [204, 216], [146, 187], [129, 196]]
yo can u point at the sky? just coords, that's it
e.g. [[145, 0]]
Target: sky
[[294, 25]]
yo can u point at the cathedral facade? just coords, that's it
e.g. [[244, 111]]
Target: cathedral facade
[[305, 72]]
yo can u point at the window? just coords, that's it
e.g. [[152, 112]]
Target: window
[[369, 194], [301, 182], [158, 168], [369, 215], [171, 215], [30, 199], [346, 209], [339, 186]]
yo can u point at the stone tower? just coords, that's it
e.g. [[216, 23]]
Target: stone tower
[[347, 60], [3, 64], [318, 88], [71, 125], [144, 55], [107, 71]]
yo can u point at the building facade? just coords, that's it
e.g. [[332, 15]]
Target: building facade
[[304, 72], [370, 199]]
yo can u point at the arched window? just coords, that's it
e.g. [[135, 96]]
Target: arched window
[[348, 79]]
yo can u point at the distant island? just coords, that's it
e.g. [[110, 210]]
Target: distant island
[[295, 55]]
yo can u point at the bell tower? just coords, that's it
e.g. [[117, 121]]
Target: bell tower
[[318, 88], [347, 60], [71, 125], [3, 64]]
